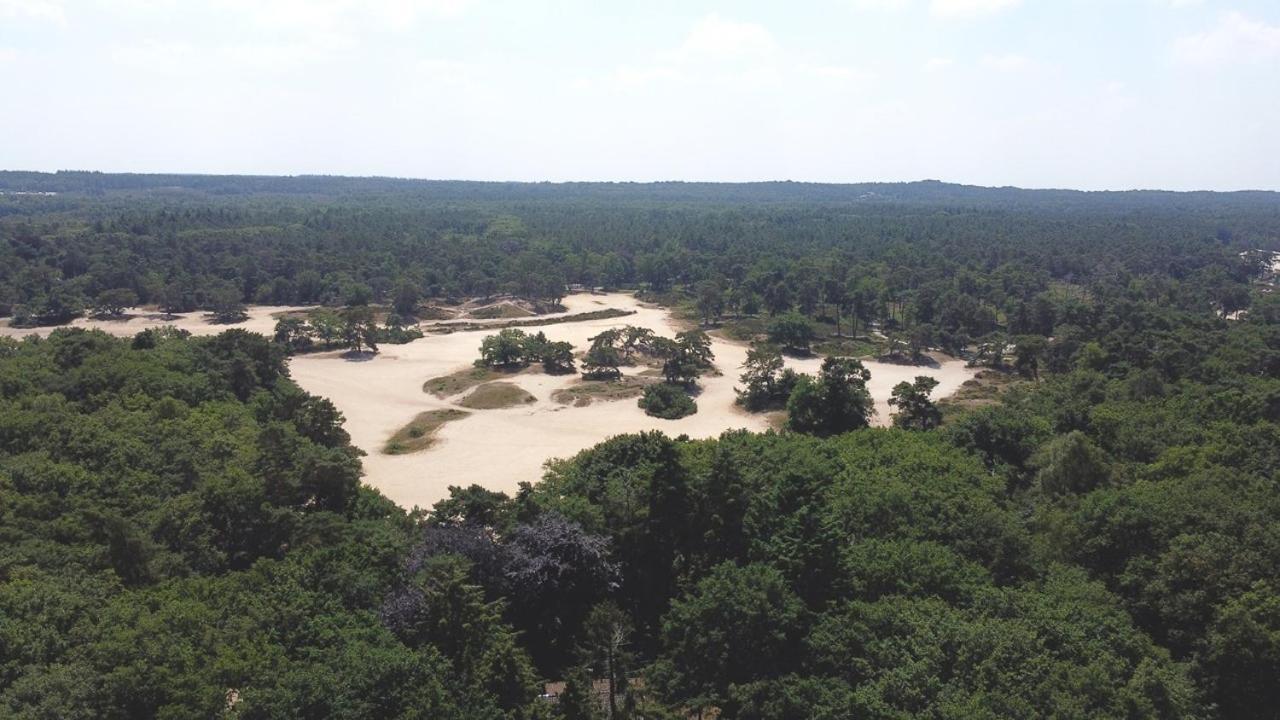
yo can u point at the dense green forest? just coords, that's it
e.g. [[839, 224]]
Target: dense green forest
[[185, 535]]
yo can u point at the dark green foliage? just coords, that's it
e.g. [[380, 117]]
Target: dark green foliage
[[835, 402], [603, 359], [113, 302], [506, 349], [739, 625], [873, 574], [183, 531], [513, 348], [766, 383], [557, 358], [686, 358], [915, 411], [667, 401], [354, 328], [793, 332]]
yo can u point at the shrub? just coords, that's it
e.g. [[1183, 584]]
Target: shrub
[[667, 401]]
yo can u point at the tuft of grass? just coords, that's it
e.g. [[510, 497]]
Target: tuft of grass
[[461, 381], [607, 313], [848, 347], [585, 392], [985, 388], [419, 434], [499, 311], [495, 395]]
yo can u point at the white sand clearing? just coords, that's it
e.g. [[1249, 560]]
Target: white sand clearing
[[262, 319], [498, 449], [949, 372]]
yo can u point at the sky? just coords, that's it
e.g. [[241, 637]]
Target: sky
[[1088, 94]]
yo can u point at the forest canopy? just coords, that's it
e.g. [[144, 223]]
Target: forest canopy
[[183, 531]]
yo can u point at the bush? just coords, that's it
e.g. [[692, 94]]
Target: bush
[[667, 401], [793, 332]]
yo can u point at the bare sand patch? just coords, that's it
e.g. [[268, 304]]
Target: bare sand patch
[[261, 319]]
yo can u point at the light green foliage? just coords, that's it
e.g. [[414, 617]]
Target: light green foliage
[[1071, 464]]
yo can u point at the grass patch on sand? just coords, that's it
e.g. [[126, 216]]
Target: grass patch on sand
[[461, 381], [495, 395], [444, 328], [848, 347], [420, 433], [985, 388], [500, 310], [585, 392]]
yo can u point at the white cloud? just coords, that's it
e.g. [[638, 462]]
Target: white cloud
[[8, 55], [282, 34], [1009, 62], [718, 39], [442, 71], [337, 23], [880, 5], [937, 64], [715, 48], [1236, 38], [47, 10], [969, 8], [842, 73], [724, 54], [183, 59]]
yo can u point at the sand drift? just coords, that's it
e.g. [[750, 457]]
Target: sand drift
[[500, 448]]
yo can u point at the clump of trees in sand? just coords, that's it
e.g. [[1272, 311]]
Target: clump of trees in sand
[[833, 402], [682, 361], [355, 328], [513, 348]]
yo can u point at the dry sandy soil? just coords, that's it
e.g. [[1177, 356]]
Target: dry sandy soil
[[500, 448], [261, 320]]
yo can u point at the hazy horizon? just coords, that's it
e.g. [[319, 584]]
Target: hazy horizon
[[694, 181], [1085, 95]]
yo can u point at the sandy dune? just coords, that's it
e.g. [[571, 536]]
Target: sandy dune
[[500, 448], [261, 320]]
